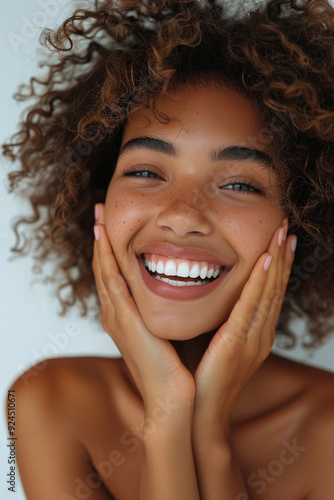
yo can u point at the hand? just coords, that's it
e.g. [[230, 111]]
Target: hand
[[153, 362], [244, 341]]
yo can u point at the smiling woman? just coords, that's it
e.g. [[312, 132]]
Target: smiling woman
[[152, 196], [204, 142]]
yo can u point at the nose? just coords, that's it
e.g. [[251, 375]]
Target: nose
[[181, 217]]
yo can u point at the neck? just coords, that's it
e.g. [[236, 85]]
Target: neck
[[191, 351]]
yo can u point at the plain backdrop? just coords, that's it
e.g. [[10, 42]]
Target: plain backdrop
[[31, 329]]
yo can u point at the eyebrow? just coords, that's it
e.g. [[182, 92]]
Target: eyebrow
[[241, 153], [232, 153], [150, 143]]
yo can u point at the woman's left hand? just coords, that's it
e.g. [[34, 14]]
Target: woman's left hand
[[244, 341]]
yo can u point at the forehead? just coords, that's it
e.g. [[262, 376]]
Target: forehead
[[209, 114]]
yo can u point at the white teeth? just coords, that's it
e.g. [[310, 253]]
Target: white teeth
[[194, 271], [160, 267], [170, 268], [180, 283], [203, 272], [183, 270]]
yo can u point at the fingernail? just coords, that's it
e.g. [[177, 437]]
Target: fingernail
[[267, 263], [96, 211], [293, 243], [281, 236], [96, 232]]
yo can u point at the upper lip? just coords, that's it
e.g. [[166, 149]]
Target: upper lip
[[179, 252]]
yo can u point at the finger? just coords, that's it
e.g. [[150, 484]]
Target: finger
[[272, 288], [115, 291], [264, 283], [235, 330], [104, 298], [245, 316], [120, 317], [281, 256], [101, 289], [289, 256], [111, 276], [262, 332], [276, 296], [245, 309]]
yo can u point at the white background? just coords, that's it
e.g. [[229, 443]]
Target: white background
[[31, 330]]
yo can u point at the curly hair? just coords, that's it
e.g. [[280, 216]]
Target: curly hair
[[122, 53]]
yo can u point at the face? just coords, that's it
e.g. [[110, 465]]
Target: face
[[191, 207]]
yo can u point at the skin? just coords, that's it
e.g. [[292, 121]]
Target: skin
[[188, 205], [233, 409]]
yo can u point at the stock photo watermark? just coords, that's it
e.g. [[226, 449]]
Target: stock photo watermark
[[133, 437], [265, 476], [58, 342], [31, 27], [11, 440]]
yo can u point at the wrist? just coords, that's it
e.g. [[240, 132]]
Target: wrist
[[161, 405], [212, 450], [165, 416], [210, 432]]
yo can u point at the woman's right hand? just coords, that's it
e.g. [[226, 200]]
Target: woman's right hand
[[153, 362]]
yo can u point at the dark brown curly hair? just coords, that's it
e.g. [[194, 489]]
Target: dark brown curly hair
[[122, 53]]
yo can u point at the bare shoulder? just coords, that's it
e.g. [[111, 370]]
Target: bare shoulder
[[58, 401], [283, 380], [70, 381], [300, 377], [314, 396]]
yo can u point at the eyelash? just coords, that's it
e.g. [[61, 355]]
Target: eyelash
[[136, 170], [139, 170]]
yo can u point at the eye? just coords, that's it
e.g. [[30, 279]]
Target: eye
[[145, 173], [243, 186]]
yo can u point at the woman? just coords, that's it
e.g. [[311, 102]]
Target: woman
[[205, 144]]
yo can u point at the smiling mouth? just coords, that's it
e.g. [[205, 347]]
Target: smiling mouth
[[196, 277]]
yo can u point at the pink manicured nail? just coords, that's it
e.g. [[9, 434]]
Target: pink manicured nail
[[96, 232], [267, 263], [293, 243], [96, 210], [281, 236]]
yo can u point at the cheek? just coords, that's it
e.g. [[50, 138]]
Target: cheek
[[251, 233], [124, 214]]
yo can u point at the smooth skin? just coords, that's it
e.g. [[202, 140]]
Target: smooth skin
[[187, 412], [203, 403]]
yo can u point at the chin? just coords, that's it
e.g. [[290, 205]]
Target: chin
[[179, 328]]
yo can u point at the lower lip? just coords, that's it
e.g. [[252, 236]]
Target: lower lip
[[178, 292]]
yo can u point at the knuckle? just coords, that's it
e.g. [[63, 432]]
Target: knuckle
[[109, 280], [253, 306], [104, 297]]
